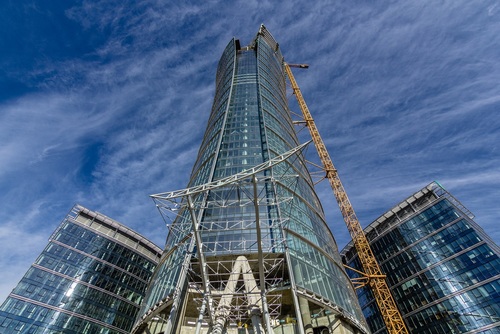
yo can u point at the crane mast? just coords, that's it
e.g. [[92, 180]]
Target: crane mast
[[372, 274]]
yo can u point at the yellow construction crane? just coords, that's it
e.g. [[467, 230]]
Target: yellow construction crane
[[372, 274]]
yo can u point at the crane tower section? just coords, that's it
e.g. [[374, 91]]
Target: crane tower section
[[372, 274]]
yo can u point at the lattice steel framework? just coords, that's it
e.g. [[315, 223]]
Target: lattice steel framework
[[262, 284], [228, 289]]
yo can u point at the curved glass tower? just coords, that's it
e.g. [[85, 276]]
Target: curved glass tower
[[442, 269], [249, 249]]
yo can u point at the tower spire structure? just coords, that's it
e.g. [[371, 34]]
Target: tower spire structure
[[249, 248]]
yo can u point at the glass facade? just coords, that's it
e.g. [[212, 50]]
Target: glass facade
[[442, 269], [273, 224], [91, 278]]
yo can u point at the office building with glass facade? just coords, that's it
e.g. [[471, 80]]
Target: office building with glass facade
[[91, 278], [442, 269], [249, 249]]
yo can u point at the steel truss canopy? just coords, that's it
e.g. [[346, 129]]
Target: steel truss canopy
[[230, 179]]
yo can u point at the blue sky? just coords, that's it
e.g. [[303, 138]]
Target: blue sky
[[103, 103]]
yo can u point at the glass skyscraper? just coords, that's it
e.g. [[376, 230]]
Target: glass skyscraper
[[249, 249], [91, 278], [442, 269]]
